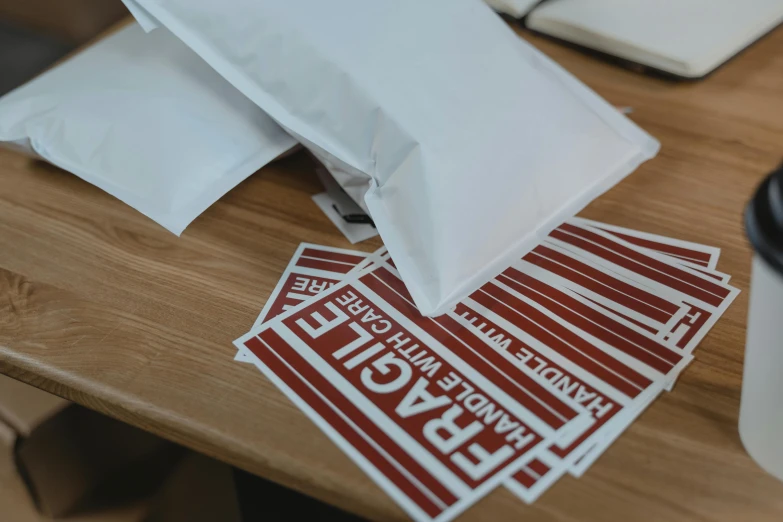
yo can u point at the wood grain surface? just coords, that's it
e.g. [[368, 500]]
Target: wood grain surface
[[100, 305]]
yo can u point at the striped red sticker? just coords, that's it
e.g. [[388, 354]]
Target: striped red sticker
[[379, 386], [425, 426], [312, 270], [472, 349], [708, 291], [295, 289], [388, 457], [686, 254], [694, 319]]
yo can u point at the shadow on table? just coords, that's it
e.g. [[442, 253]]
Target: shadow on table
[[261, 499]]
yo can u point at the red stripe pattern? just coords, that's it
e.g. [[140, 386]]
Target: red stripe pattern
[[675, 277], [539, 467], [472, 349], [376, 357], [350, 259], [603, 327], [297, 288], [320, 264], [631, 297], [272, 351], [601, 407], [694, 256]]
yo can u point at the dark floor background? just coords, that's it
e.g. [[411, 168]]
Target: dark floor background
[[24, 54]]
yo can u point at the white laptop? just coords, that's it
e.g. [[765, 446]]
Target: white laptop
[[684, 38]]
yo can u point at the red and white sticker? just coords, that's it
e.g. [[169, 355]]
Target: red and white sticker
[[624, 279], [312, 269], [553, 407], [701, 258], [690, 254], [598, 318], [611, 369], [394, 391], [636, 305], [631, 279], [664, 307]]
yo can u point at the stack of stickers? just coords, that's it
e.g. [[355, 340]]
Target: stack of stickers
[[531, 377]]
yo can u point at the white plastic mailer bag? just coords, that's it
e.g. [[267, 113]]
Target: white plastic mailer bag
[[142, 117], [465, 144], [515, 8]]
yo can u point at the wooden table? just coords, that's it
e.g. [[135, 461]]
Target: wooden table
[[100, 305]]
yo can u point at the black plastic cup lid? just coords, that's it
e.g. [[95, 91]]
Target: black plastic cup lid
[[764, 220]]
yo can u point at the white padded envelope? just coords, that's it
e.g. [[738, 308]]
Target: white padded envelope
[[145, 119], [464, 143]]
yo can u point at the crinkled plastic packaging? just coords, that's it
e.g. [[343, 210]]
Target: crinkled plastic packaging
[[142, 117], [465, 144]]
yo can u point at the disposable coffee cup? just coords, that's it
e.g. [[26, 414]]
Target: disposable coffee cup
[[761, 410]]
